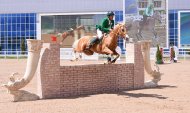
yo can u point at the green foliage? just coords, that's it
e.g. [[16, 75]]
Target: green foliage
[[172, 53], [0, 48], [23, 47], [159, 56], [141, 12]]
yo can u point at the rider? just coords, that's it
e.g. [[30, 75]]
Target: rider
[[148, 12], [106, 26]]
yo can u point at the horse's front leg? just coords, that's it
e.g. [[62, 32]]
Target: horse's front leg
[[117, 56], [108, 52], [141, 27]]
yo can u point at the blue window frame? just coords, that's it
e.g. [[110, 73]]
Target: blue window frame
[[14, 28], [23, 20], [173, 27]]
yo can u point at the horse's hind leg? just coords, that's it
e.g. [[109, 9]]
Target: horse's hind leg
[[141, 27], [75, 58], [154, 33], [80, 55]]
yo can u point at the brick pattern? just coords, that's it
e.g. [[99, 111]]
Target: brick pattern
[[138, 67], [49, 71], [92, 79], [56, 81]]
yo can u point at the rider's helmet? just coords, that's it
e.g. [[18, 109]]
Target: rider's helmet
[[110, 13]]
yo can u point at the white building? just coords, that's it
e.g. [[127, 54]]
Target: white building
[[39, 19]]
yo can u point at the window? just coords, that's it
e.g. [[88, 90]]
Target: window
[[184, 28], [143, 4], [52, 24], [173, 27], [15, 27], [157, 4]]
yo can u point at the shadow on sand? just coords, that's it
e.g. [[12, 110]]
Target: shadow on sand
[[139, 95], [22, 95]]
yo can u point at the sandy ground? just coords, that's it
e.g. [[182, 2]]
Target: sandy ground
[[172, 96]]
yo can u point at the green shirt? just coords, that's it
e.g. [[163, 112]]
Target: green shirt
[[148, 11], [106, 25]]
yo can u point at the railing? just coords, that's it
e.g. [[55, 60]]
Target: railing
[[183, 54], [13, 54]]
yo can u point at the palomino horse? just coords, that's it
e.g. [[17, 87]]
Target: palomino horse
[[107, 46]]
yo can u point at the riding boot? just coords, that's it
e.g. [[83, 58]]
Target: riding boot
[[92, 42]]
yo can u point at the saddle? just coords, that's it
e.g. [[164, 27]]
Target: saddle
[[96, 40]]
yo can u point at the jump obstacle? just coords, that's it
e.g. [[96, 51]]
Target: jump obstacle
[[55, 81]]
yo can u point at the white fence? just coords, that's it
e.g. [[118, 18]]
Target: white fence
[[67, 54], [182, 54], [13, 54]]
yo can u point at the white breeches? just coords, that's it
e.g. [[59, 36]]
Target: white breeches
[[99, 33]]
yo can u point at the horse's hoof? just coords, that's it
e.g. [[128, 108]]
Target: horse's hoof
[[72, 60], [109, 62], [113, 62]]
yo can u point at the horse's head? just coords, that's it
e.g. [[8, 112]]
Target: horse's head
[[81, 27], [65, 34], [122, 31], [157, 16]]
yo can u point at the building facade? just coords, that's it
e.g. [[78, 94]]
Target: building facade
[[34, 19], [179, 24], [159, 5]]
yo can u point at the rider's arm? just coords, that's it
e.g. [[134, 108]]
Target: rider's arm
[[104, 25]]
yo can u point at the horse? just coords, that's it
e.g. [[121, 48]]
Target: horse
[[70, 32], [138, 26], [106, 46]]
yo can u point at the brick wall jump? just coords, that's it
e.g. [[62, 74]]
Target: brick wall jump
[[55, 81]]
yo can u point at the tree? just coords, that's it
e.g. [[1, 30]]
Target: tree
[[0, 49], [23, 47], [159, 56], [172, 54]]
